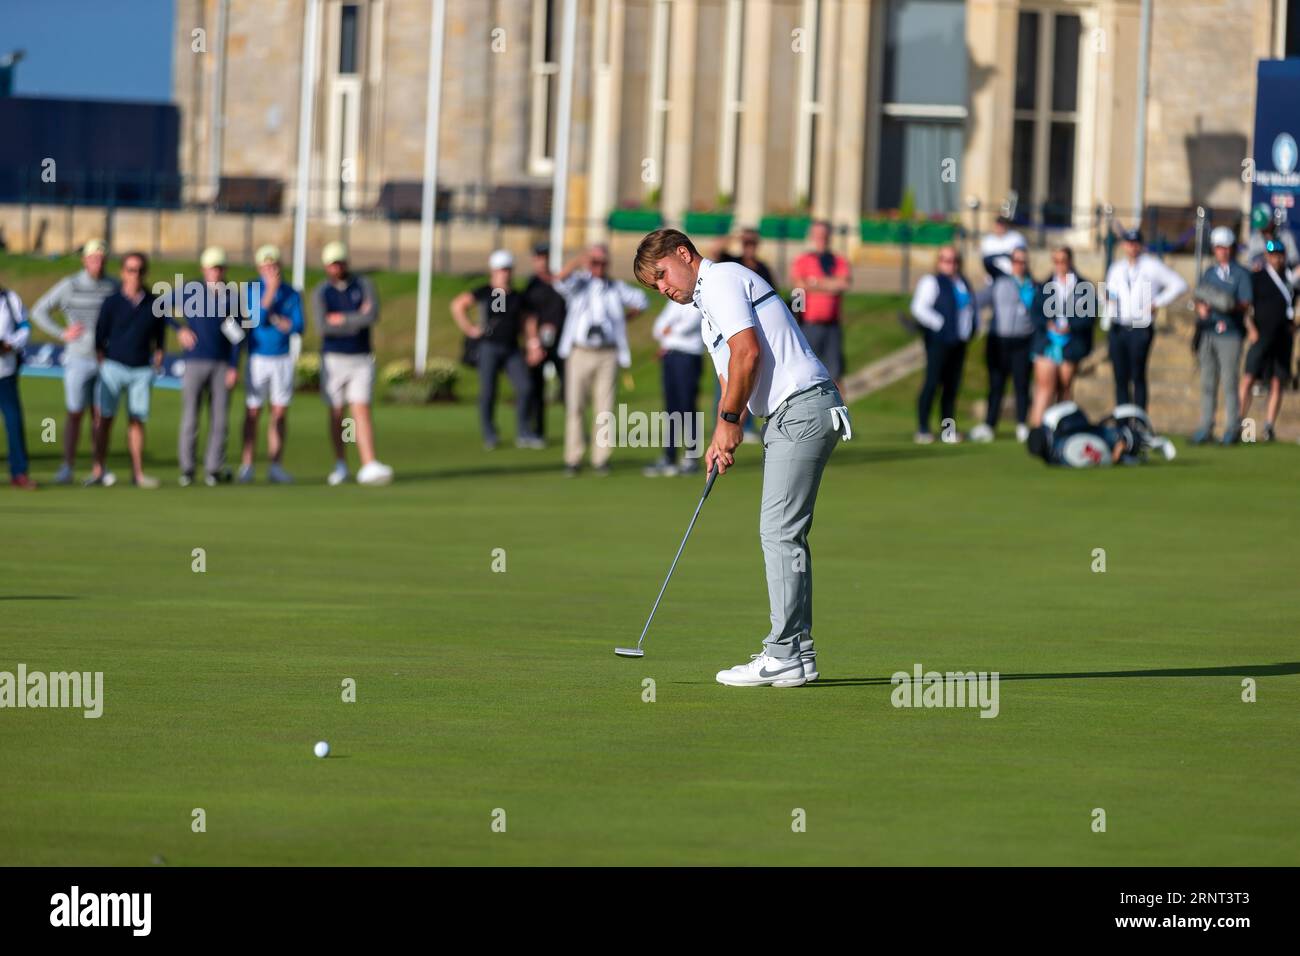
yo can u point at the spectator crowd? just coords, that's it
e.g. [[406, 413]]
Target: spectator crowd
[[571, 328]]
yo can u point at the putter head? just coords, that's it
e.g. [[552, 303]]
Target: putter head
[[629, 652]]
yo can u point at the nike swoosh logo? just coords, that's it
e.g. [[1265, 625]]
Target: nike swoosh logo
[[764, 672]]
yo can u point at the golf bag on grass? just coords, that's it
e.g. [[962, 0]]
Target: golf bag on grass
[[1067, 438]]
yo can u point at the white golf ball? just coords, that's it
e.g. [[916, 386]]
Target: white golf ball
[[322, 749]]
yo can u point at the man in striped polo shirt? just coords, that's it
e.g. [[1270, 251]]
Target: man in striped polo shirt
[[78, 297]]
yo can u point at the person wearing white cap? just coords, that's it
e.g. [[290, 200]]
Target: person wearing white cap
[[275, 315], [502, 314], [1220, 333], [211, 369], [594, 347], [78, 297], [345, 308]]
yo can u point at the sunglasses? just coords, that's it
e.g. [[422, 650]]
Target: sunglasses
[[600, 262], [131, 269]]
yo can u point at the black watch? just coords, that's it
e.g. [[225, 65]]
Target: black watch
[[733, 417]]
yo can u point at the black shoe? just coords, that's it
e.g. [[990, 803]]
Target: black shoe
[[1269, 434], [570, 471], [601, 471]]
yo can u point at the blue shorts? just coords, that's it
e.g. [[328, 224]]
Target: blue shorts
[[116, 378]]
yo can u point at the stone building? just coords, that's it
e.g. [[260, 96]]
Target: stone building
[[836, 108]]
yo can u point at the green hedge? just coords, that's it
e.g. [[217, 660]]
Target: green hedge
[[635, 220], [708, 223], [893, 231], [784, 227]]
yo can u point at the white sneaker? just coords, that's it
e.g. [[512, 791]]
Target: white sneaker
[[64, 475], [278, 476], [981, 433], [1022, 432], [338, 475], [923, 438], [374, 473], [762, 671], [245, 475]]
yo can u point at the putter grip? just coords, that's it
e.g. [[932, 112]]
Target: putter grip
[[708, 485]]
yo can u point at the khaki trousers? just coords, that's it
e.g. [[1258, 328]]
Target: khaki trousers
[[590, 377]]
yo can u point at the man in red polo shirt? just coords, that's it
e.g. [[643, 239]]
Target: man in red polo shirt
[[823, 277]]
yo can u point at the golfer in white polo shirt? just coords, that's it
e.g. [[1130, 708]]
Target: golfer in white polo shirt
[[765, 366]]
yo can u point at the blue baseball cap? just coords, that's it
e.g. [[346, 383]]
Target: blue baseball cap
[[1274, 245], [1131, 235]]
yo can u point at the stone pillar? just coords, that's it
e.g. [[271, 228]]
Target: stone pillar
[[682, 46], [606, 68], [830, 86], [752, 164], [991, 28], [848, 144]]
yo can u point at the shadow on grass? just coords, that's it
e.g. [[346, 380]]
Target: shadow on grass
[[38, 597], [1239, 670]]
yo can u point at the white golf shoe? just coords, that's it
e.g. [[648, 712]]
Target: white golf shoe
[[762, 671], [374, 473], [338, 475], [981, 433]]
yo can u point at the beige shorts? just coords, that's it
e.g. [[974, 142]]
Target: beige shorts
[[346, 379]]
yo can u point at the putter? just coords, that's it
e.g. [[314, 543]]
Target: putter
[[637, 651]]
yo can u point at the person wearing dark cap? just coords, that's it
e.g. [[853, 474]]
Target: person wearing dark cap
[[1136, 286], [544, 302], [1271, 330]]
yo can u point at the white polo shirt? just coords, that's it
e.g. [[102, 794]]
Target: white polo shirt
[[731, 299], [678, 329], [1135, 290]]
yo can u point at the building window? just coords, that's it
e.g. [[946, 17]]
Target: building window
[[923, 104], [809, 104], [348, 39], [1289, 28], [343, 113], [545, 88], [732, 105], [1046, 117]]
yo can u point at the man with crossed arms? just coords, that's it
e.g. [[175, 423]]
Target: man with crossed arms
[[766, 365]]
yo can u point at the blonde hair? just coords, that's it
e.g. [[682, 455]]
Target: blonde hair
[[656, 245]]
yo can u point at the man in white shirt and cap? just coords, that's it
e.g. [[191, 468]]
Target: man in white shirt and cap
[[767, 369], [1136, 286], [594, 347]]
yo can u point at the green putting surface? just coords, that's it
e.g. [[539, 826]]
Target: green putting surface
[[479, 690]]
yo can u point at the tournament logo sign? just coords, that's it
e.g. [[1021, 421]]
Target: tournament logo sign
[[1277, 124]]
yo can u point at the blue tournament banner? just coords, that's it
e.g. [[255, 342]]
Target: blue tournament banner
[[1277, 133], [46, 361]]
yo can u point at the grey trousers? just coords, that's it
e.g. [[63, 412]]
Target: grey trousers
[[204, 377], [1220, 357], [797, 442]]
